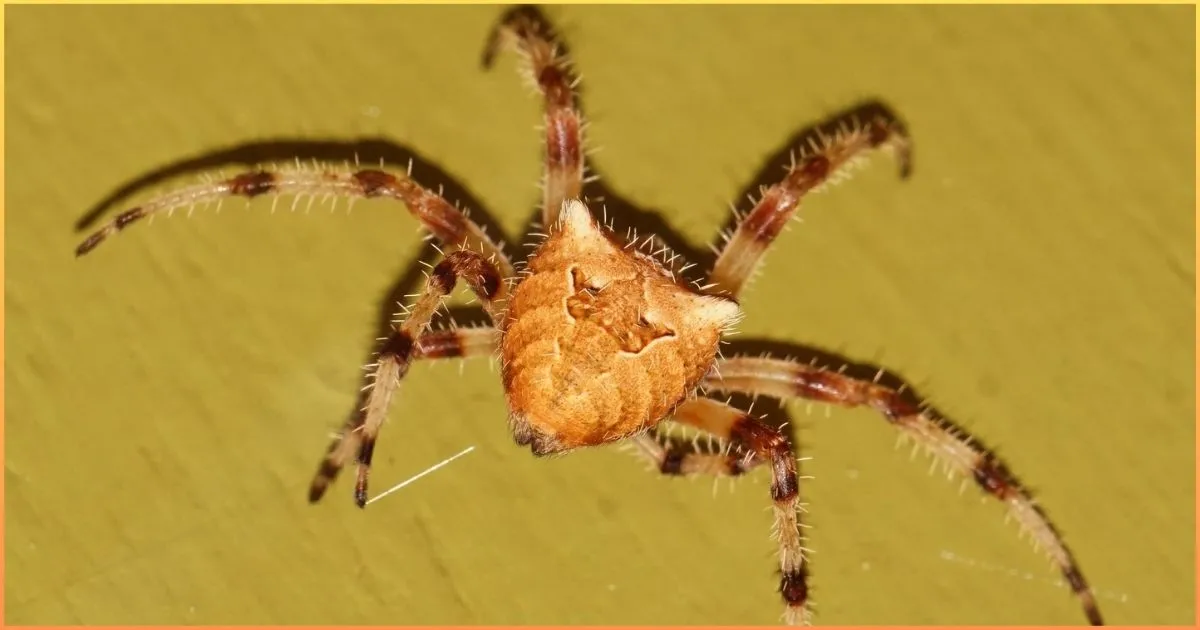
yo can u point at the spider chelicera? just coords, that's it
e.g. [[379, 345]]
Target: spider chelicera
[[601, 341]]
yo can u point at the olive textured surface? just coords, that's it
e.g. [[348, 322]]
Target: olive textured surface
[[170, 394]]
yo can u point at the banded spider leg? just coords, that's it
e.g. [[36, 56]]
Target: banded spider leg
[[749, 442], [480, 260], [783, 379], [959, 451], [397, 354], [546, 69], [827, 156]]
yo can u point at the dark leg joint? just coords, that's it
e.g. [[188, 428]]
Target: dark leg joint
[[252, 184], [768, 442], [398, 345], [785, 485], [476, 270], [672, 463], [373, 182], [794, 586], [127, 217], [994, 477]]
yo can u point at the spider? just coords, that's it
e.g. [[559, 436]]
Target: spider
[[601, 341]]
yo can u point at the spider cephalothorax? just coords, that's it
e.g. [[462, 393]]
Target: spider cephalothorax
[[600, 343]]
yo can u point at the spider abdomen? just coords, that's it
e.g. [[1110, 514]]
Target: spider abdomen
[[579, 387], [600, 342]]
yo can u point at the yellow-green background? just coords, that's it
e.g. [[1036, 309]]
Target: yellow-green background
[[169, 396]]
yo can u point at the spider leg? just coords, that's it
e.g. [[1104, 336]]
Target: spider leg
[[955, 448], [545, 67], [825, 159], [457, 343], [448, 224], [406, 341], [453, 343], [675, 456], [761, 443]]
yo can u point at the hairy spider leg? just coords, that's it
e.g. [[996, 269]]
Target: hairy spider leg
[[447, 224], [398, 352], [825, 158], [954, 447], [457, 342], [766, 444], [546, 68], [676, 456]]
